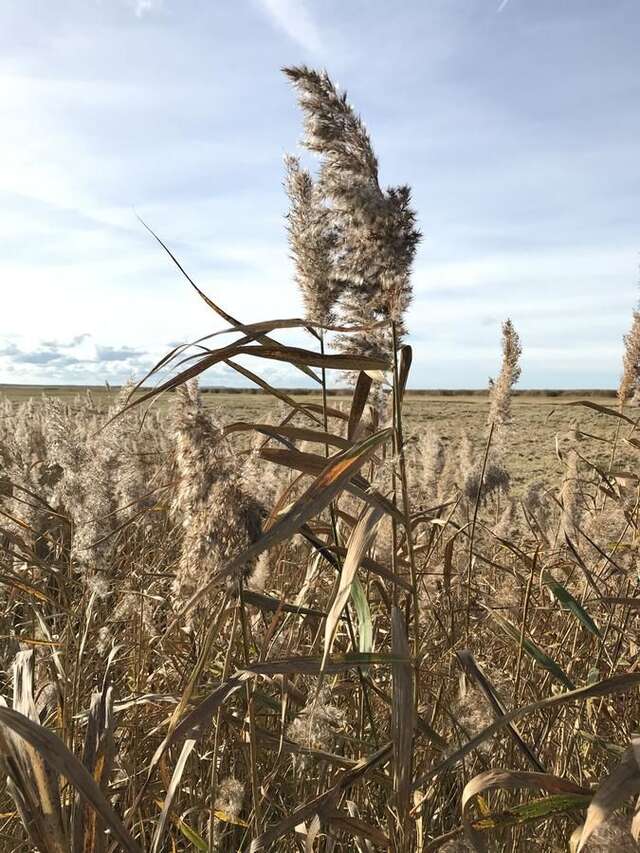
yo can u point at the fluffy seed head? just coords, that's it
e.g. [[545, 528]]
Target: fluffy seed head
[[630, 381], [312, 240], [376, 234], [500, 390]]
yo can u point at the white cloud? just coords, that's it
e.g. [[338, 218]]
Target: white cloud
[[293, 17], [145, 7]]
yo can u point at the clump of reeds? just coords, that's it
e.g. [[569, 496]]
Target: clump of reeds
[[171, 699]]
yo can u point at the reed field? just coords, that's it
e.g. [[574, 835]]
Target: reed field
[[373, 620]]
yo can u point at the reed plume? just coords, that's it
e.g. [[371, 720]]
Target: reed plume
[[219, 516], [629, 382], [375, 230], [570, 498], [312, 241], [501, 390]]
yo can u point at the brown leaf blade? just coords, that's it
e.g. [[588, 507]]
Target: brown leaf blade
[[508, 780], [402, 723], [360, 540], [56, 754], [621, 784]]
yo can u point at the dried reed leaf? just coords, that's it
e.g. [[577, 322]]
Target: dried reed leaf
[[323, 802], [328, 550], [270, 602], [31, 782], [176, 777], [211, 304], [509, 779], [193, 724], [604, 410], [406, 357], [290, 355], [97, 758], [357, 828], [290, 432], [621, 784], [312, 463], [607, 687], [360, 541], [358, 402], [402, 724], [271, 389], [476, 674], [55, 753]]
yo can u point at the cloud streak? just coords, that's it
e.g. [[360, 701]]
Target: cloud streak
[[294, 18]]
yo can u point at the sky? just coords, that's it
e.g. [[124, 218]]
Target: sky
[[515, 122]]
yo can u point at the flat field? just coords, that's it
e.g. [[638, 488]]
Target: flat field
[[542, 421]]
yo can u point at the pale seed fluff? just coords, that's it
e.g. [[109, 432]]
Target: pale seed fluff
[[315, 727], [229, 801], [612, 836], [496, 479], [455, 845], [570, 498], [230, 796], [500, 391], [220, 518], [629, 382], [375, 230], [538, 510], [312, 243], [473, 714], [507, 527]]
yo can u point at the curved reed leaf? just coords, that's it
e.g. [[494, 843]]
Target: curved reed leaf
[[56, 754], [621, 784], [607, 687], [360, 540], [565, 598], [509, 780], [533, 651]]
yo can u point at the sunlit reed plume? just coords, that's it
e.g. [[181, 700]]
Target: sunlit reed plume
[[312, 241]]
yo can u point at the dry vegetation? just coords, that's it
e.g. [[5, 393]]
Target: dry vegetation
[[371, 622]]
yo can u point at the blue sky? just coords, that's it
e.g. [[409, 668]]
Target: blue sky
[[516, 124]]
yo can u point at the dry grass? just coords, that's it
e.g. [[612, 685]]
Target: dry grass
[[300, 622], [539, 419], [57, 599]]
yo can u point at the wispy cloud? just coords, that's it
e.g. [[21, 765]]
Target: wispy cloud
[[294, 18], [118, 353], [145, 7]]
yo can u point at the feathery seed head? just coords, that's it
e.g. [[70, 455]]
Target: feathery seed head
[[376, 234], [500, 390], [312, 241], [630, 381]]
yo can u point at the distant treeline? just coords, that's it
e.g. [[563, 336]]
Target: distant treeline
[[335, 392]]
